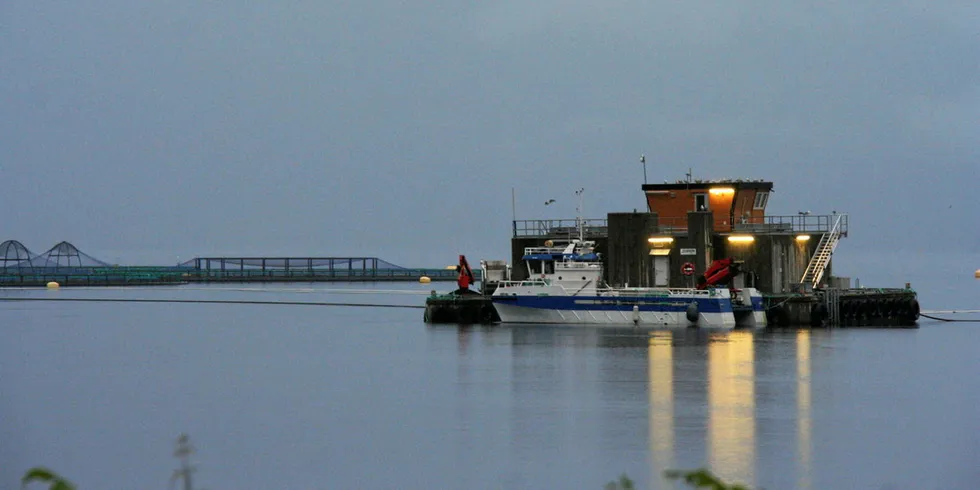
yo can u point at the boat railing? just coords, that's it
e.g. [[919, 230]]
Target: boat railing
[[524, 283], [544, 250], [640, 291]]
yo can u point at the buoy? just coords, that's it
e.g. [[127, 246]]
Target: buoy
[[425, 279], [692, 312], [977, 274], [53, 285]]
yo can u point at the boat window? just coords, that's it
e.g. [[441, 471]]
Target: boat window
[[761, 198], [700, 202]]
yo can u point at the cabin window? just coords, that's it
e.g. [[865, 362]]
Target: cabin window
[[700, 202], [761, 198]]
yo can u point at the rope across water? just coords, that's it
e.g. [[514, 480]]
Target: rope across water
[[214, 301]]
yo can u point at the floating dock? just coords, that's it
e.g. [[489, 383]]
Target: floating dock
[[852, 307], [871, 307], [460, 308]]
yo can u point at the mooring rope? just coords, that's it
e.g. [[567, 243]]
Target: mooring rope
[[973, 320], [777, 305], [247, 290], [215, 302]]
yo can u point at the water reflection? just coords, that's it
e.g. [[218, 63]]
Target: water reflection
[[661, 370], [804, 418], [731, 402], [685, 398]]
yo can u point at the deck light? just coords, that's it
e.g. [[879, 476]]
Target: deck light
[[802, 238], [660, 239], [741, 238], [721, 190]]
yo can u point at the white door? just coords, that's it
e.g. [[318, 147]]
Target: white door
[[661, 273]]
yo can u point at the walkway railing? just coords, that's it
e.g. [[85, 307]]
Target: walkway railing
[[801, 223], [569, 228], [561, 228]]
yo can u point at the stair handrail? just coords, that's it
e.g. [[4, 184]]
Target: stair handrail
[[821, 256]]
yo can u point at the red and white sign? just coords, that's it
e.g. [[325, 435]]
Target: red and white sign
[[687, 269]]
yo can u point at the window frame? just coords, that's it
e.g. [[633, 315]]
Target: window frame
[[704, 196]]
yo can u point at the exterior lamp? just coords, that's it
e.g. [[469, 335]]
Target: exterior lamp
[[717, 191], [802, 238], [660, 240], [741, 238]]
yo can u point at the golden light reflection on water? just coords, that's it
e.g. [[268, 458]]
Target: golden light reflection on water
[[803, 403], [731, 407], [661, 366]]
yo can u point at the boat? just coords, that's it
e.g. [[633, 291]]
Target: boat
[[565, 286]]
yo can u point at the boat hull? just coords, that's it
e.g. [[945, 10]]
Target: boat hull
[[596, 310], [753, 313]]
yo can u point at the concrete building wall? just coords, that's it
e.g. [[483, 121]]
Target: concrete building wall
[[775, 262], [628, 259], [778, 261]]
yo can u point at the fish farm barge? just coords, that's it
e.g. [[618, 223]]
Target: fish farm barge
[[690, 225]]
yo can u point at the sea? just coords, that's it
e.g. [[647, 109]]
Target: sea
[[371, 397]]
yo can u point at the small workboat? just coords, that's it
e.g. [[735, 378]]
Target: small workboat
[[565, 286]]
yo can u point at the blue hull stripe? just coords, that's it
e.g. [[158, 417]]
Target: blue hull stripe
[[613, 303]]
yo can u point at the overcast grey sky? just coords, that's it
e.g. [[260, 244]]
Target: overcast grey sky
[[147, 131]]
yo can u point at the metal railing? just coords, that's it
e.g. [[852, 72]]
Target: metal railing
[[592, 228], [671, 226], [561, 228], [802, 223]]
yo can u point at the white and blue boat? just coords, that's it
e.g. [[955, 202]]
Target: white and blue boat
[[565, 287]]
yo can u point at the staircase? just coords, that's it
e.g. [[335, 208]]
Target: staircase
[[821, 257]]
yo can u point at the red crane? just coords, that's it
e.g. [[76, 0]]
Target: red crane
[[718, 273], [464, 275]]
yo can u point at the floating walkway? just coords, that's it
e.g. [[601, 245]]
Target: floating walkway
[[155, 276], [66, 265]]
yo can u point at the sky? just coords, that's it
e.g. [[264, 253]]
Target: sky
[[153, 132]]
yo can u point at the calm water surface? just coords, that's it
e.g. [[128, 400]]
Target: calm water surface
[[336, 397]]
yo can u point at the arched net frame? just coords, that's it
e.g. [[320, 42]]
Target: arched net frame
[[65, 256], [14, 255]]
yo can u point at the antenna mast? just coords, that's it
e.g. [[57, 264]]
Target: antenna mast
[[183, 453]]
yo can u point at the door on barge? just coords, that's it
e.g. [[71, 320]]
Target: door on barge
[[661, 271]]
